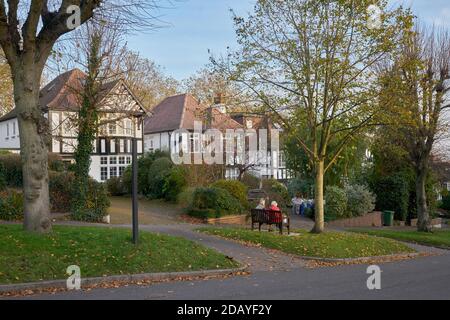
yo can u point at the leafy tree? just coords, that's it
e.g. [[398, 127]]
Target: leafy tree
[[27, 38], [310, 63], [415, 93]]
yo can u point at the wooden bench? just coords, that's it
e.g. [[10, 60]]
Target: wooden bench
[[270, 217]]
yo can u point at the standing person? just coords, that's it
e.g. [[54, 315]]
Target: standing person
[[297, 202]]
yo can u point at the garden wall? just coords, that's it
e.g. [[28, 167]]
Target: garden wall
[[373, 219], [240, 219]]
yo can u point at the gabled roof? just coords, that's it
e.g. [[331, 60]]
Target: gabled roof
[[62, 93], [180, 112]]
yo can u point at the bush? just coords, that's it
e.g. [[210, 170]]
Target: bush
[[359, 200], [236, 188], [12, 169], [250, 180], [97, 204], [175, 183], [2, 177], [116, 187], [392, 193], [157, 175], [276, 191], [55, 163], [213, 203], [60, 189], [11, 206], [335, 203], [300, 185]]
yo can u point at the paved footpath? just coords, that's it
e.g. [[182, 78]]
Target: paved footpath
[[279, 276]]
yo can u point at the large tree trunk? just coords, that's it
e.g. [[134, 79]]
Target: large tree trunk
[[33, 128], [424, 223], [318, 198]]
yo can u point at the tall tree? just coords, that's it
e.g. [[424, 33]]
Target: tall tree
[[415, 93], [309, 62], [28, 32]]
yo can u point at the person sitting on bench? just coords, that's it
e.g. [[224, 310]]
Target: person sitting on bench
[[262, 204], [274, 206]]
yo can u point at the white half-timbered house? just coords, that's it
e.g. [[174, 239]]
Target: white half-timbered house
[[120, 120]]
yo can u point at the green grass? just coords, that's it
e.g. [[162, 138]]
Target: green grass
[[439, 238], [26, 257], [325, 245]]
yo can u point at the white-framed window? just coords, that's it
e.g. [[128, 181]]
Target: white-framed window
[[113, 160], [128, 160], [128, 127], [129, 150], [103, 173], [112, 172], [122, 146], [112, 128], [103, 160], [94, 146], [121, 171], [103, 146], [121, 160], [7, 130], [14, 129]]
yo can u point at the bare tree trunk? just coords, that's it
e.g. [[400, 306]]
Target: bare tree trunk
[[33, 128], [318, 199], [423, 214]]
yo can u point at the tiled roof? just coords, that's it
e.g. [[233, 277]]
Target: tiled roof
[[180, 112], [62, 93]]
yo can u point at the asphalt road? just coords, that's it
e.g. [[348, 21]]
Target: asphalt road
[[421, 278]]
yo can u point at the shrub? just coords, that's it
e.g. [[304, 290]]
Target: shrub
[[97, 204], [175, 183], [157, 175], [392, 193], [60, 189], [250, 180], [335, 202], [115, 187], [359, 200], [2, 177], [236, 188], [11, 206], [12, 166], [55, 163], [300, 185], [276, 191], [446, 202], [213, 203]]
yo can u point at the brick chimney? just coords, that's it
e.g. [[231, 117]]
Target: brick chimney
[[219, 98]]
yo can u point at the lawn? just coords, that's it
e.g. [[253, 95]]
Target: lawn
[[325, 245], [100, 251], [440, 238]]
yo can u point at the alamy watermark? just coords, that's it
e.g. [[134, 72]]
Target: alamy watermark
[[374, 20], [74, 19], [374, 280], [231, 147], [74, 280]]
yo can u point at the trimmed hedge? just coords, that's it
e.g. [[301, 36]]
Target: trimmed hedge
[[236, 188], [11, 206], [60, 188], [175, 183], [213, 203], [97, 204], [335, 203], [393, 194]]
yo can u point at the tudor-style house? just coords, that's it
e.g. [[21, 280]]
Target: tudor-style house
[[120, 120], [181, 111]]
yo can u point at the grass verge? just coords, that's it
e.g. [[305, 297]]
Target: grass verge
[[26, 257], [440, 238], [337, 245]]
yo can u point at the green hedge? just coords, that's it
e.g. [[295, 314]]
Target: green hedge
[[335, 203], [11, 206], [236, 188], [393, 193], [97, 204], [175, 183], [213, 203], [60, 188]]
